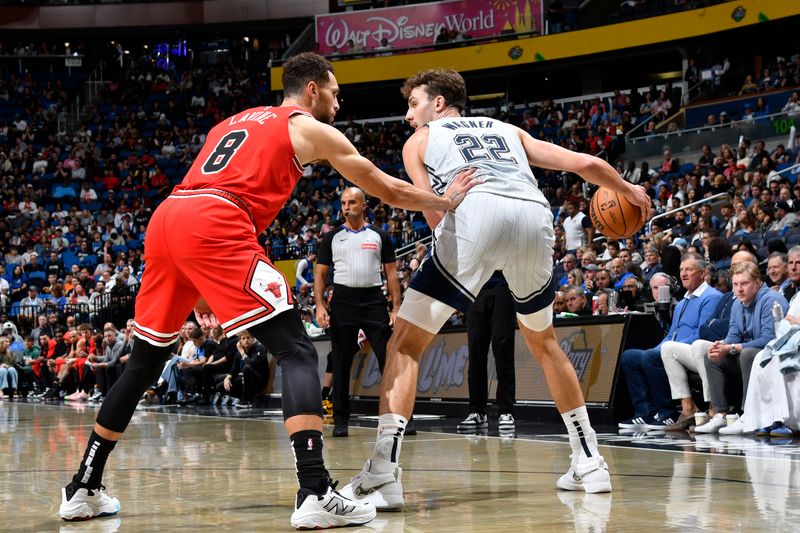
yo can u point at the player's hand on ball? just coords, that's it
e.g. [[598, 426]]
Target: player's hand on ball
[[639, 197], [463, 182]]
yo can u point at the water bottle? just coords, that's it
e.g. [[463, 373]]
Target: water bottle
[[612, 302], [777, 314], [664, 295]]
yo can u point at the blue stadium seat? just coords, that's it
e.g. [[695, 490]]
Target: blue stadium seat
[[134, 244], [69, 259], [119, 249], [41, 277], [793, 238], [89, 261], [774, 234]]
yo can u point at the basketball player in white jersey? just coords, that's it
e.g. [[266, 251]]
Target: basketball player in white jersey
[[504, 223]]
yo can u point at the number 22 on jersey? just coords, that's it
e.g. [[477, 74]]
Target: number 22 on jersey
[[484, 148]]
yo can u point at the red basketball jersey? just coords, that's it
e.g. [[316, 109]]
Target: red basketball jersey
[[250, 156]]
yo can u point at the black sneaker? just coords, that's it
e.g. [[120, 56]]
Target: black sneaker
[[659, 423], [340, 430], [50, 394], [474, 421], [411, 428], [637, 422], [766, 431], [506, 422]]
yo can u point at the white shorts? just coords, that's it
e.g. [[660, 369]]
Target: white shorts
[[487, 233]]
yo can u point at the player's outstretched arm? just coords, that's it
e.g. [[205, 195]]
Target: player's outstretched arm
[[592, 169], [315, 141]]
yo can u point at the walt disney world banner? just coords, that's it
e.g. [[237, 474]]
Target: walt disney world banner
[[419, 25]]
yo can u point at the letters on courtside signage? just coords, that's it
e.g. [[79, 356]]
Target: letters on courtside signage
[[593, 350], [418, 25]]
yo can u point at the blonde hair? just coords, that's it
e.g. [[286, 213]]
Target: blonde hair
[[746, 268]]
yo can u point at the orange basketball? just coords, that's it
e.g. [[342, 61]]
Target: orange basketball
[[613, 215]]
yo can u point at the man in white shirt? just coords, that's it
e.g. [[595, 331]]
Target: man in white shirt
[[4, 288], [27, 207], [575, 227]]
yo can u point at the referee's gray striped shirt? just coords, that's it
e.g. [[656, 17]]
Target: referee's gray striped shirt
[[356, 256]]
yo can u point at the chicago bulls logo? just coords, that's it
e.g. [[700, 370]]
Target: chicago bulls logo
[[267, 284], [274, 288]]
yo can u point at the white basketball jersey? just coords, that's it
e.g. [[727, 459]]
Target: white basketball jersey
[[491, 146]]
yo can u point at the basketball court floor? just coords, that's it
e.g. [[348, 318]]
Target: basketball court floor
[[177, 470]]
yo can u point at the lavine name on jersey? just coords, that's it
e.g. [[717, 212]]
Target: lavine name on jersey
[[257, 116]]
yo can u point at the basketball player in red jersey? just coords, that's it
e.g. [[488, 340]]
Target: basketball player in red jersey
[[201, 252]]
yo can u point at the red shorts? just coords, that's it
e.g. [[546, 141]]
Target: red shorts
[[80, 366], [203, 243]]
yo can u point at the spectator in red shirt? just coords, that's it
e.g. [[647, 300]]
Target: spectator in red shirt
[[110, 181]]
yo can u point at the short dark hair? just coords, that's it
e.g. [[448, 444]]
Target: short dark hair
[[303, 68], [718, 248], [440, 82]]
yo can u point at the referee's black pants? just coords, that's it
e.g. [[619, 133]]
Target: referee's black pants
[[491, 319], [353, 309]]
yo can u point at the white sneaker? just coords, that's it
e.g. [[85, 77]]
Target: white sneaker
[[506, 422], [96, 397], [473, 421], [737, 428], [75, 396], [713, 425], [85, 504], [330, 510], [384, 491], [590, 475]]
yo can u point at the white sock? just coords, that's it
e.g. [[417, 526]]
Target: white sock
[[582, 437], [386, 455]]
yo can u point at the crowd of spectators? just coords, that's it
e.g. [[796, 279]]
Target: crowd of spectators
[[746, 256], [638, 9], [75, 207], [756, 88]]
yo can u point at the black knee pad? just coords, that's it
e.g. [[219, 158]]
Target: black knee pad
[[143, 368], [286, 338], [302, 393]]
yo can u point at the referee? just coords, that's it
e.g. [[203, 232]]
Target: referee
[[356, 251]]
